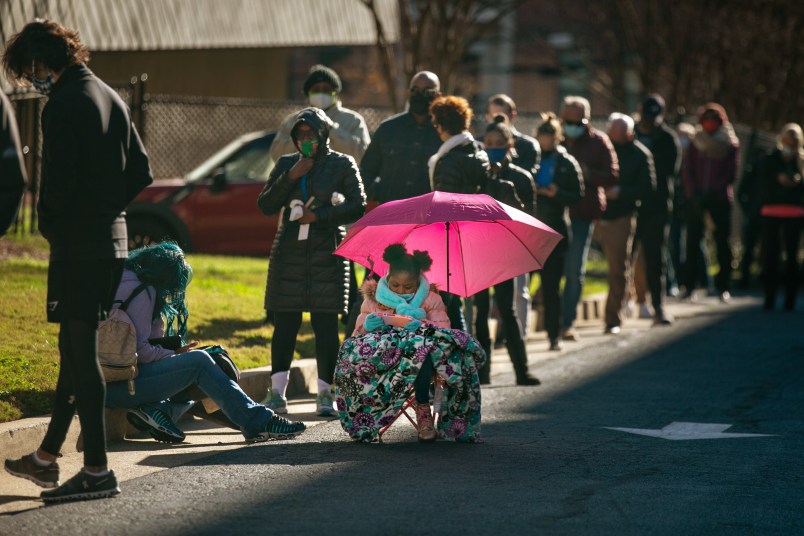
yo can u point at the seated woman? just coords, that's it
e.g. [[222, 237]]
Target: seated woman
[[154, 283], [381, 365]]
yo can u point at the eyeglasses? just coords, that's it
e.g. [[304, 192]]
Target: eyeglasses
[[426, 92]]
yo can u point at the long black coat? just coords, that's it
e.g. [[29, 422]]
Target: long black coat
[[93, 166], [304, 275]]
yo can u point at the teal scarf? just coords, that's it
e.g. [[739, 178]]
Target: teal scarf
[[400, 305]]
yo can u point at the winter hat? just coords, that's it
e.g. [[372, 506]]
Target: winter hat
[[714, 107], [322, 73], [653, 105]]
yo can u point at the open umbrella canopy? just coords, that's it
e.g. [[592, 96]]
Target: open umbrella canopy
[[474, 240]]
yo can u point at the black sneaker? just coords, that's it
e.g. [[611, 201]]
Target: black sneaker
[[278, 428], [27, 468], [83, 486], [156, 423]]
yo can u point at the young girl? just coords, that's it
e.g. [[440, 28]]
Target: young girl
[[405, 291]]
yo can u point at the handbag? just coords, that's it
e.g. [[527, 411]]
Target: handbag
[[117, 344]]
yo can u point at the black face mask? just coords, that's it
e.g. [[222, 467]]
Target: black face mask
[[420, 104]]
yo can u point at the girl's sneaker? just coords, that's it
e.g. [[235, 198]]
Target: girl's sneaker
[[276, 402], [156, 423], [323, 405], [424, 419]]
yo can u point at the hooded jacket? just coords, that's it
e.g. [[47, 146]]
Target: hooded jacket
[[433, 307], [711, 162], [93, 166], [304, 275]]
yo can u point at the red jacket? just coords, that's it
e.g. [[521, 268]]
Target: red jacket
[[598, 160]]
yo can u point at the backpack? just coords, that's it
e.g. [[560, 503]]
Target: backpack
[[117, 344]]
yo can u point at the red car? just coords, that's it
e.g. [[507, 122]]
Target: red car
[[214, 208]]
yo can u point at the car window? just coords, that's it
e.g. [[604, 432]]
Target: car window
[[251, 163]]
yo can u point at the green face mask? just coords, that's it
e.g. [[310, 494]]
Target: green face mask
[[308, 147]]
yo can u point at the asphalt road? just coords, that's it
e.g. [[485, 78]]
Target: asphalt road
[[550, 464]]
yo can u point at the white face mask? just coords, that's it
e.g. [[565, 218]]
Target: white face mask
[[322, 100]]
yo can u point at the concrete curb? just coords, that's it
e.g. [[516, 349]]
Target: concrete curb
[[25, 435]]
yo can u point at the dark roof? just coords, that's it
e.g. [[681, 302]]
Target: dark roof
[[108, 25]]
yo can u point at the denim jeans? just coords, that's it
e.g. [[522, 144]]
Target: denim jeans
[[160, 380], [575, 269]]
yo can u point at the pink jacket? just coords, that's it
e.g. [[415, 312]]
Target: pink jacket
[[433, 307]]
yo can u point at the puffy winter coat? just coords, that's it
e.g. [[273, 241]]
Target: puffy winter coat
[[304, 275], [463, 170], [433, 307]]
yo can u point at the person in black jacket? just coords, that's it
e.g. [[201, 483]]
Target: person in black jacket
[[783, 214], [317, 191], [12, 169], [459, 166], [616, 229], [93, 166], [499, 143], [395, 164], [559, 185], [653, 215], [526, 153]]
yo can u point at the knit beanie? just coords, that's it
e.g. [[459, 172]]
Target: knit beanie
[[322, 73]]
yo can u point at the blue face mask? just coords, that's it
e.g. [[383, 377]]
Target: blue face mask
[[43, 86], [574, 131], [496, 154]]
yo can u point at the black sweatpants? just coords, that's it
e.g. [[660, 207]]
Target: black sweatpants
[[551, 275], [79, 294], [790, 230], [652, 232], [720, 212], [327, 342], [504, 298]]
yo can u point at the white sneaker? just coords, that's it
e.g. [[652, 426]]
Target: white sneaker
[[276, 402], [628, 309], [644, 311]]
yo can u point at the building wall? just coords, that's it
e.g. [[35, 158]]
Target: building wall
[[259, 73]]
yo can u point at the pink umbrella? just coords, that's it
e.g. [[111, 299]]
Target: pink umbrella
[[474, 240]]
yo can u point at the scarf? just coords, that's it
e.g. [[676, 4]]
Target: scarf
[[464, 138], [400, 305], [716, 145]]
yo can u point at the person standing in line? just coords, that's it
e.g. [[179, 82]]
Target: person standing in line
[[12, 168], [349, 134], [93, 166], [558, 186], [783, 214], [653, 214], [615, 231], [317, 191], [501, 185], [526, 155], [709, 172], [459, 166], [598, 160]]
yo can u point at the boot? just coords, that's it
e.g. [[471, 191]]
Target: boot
[[424, 419], [519, 357], [484, 372]]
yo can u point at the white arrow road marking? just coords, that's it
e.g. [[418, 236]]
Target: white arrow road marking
[[683, 431]]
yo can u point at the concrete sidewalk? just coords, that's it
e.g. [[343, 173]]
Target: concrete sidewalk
[[139, 455]]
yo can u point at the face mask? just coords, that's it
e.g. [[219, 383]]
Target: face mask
[[322, 100], [496, 154], [710, 126], [574, 131], [43, 86], [307, 148], [788, 152], [407, 297], [420, 104]]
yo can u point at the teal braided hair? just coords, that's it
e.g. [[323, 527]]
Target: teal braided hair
[[164, 267]]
